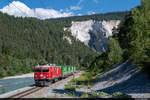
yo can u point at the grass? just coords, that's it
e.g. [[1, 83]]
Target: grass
[[95, 94], [84, 81], [120, 95], [85, 95], [72, 94], [25, 85], [70, 87], [3, 91]]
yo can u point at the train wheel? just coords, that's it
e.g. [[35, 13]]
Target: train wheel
[[43, 83], [53, 81], [48, 83], [60, 78], [36, 83], [40, 83]]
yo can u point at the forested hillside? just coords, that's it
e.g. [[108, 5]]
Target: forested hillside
[[97, 17], [132, 43], [25, 42]]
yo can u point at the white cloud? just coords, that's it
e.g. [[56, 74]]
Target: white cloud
[[50, 13], [79, 14], [19, 9], [91, 12], [75, 8]]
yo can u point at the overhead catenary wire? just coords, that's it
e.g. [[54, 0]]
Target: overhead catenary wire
[[17, 8]]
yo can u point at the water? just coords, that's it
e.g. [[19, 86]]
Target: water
[[15, 83]]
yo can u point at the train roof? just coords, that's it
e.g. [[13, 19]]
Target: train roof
[[47, 65]]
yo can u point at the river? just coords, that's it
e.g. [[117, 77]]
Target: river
[[15, 83]]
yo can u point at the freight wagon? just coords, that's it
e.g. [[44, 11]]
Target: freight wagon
[[44, 75]]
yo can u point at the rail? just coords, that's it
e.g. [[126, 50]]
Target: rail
[[25, 93]]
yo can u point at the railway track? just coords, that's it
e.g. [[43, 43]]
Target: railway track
[[25, 93], [42, 92], [35, 89]]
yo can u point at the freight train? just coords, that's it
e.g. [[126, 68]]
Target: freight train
[[44, 75]]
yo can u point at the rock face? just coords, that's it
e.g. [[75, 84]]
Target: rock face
[[94, 33], [67, 38]]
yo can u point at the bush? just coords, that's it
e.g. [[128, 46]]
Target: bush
[[70, 88], [103, 94], [120, 95], [72, 94], [99, 94], [3, 91], [85, 95]]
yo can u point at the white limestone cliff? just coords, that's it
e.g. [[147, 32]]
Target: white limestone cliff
[[93, 33]]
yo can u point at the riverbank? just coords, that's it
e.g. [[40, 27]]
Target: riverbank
[[11, 83], [19, 76]]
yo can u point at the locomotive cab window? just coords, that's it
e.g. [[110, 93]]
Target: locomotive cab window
[[37, 70], [45, 69]]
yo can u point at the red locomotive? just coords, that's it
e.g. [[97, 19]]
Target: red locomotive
[[46, 74]]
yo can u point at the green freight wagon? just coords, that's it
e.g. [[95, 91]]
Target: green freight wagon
[[64, 70], [71, 69], [74, 69], [67, 70]]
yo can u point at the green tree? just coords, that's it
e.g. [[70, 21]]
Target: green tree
[[107, 59], [114, 52], [134, 35]]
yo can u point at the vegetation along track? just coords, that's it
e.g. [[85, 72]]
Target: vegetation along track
[[25, 93]]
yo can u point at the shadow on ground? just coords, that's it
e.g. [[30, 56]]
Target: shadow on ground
[[124, 78]]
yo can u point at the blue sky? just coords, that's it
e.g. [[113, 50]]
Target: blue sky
[[77, 7], [97, 6]]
